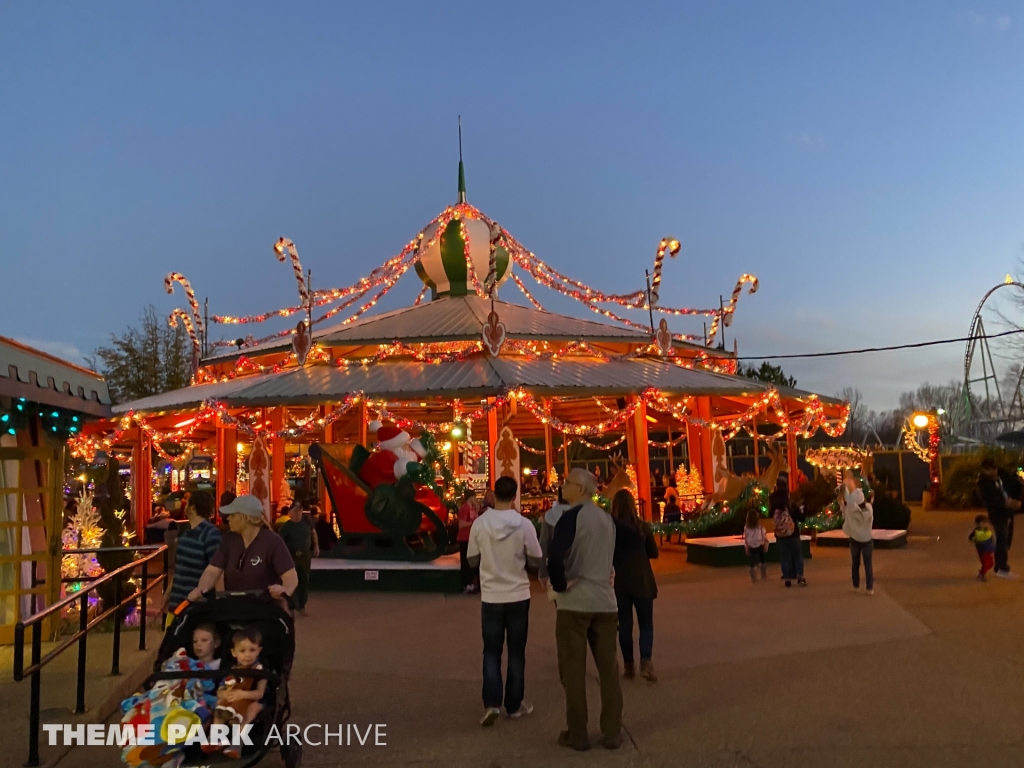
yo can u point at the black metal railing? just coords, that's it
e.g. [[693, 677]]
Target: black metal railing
[[85, 625]]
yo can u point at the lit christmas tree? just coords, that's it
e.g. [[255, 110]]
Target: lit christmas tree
[[690, 487], [83, 531]]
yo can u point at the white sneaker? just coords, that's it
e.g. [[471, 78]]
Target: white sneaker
[[1007, 575], [490, 716], [871, 592], [524, 709]]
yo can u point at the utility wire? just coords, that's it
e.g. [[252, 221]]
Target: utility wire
[[865, 350]]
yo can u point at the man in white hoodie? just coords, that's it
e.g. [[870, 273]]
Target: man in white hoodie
[[501, 543]]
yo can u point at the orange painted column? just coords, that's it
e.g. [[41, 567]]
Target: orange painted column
[[362, 426], [227, 458], [276, 455], [791, 456], [142, 484], [698, 441], [549, 453], [492, 441], [640, 458], [323, 497]]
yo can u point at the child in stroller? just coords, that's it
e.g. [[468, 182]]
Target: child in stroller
[[238, 698], [229, 613]]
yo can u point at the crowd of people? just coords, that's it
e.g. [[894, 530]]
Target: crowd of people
[[595, 567]]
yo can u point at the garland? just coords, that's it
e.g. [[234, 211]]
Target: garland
[[753, 495]]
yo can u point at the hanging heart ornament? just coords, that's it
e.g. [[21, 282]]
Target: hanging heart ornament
[[494, 334], [302, 342], [663, 337]]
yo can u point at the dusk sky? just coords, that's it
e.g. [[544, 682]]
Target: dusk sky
[[864, 160]]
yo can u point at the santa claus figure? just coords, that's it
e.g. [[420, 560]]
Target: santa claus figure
[[396, 451]]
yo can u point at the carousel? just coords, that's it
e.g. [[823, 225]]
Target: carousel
[[385, 419]]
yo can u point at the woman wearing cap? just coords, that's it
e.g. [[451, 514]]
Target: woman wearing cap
[[251, 557]]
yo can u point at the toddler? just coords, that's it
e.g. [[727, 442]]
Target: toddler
[[985, 543], [238, 698], [755, 544]]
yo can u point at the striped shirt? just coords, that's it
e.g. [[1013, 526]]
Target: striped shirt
[[195, 548]]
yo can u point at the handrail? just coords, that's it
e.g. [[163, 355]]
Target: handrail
[[66, 601], [35, 622]]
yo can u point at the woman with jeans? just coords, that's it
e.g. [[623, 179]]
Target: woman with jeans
[[788, 517], [468, 512], [858, 517], [635, 588]]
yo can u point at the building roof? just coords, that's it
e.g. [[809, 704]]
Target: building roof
[[455, 318], [475, 377], [42, 378]]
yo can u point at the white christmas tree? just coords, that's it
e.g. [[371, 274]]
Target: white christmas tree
[[83, 531]]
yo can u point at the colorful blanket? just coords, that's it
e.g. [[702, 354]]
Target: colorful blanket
[[183, 701]]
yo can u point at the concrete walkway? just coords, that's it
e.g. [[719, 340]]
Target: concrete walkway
[[58, 681], [926, 673]]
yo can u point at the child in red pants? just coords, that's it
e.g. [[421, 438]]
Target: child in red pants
[[985, 543]]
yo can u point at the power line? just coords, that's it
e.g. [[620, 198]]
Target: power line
[[865, 350]]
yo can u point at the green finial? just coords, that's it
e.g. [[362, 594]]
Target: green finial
[[462, 169]]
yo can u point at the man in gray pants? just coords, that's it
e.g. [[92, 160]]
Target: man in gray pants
[[580, 569]]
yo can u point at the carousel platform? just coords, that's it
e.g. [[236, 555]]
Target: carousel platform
[[340, 575], [884, 538], [724, 551]]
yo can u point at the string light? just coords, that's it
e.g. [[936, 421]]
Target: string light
[[836, 457]]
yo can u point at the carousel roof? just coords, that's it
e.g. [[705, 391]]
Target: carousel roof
[[474, 377], [455, 318]]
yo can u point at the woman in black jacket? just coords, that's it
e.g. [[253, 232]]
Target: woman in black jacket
[[788, 518], [635, 587]]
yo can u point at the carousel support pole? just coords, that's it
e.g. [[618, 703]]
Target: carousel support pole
[[565, 456], [549, 451], [492, 441], [699, 445], [671, 462], [227, 457], [791, 456], [362, 425], [323, 497], [757, 464], [276, 455], [142, 483], [639, 457]]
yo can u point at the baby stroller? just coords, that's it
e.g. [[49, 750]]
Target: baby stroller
[[229, 611]]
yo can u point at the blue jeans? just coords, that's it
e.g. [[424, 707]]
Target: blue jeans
[[644, 617], [863, 549], [501, 621], [791, 556]]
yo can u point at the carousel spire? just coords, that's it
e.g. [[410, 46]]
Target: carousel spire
[[462, 169]]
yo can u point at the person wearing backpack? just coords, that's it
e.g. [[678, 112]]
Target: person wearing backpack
[[858, 517], [788, 517]]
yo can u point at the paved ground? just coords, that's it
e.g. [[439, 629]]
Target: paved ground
[[928, 672]]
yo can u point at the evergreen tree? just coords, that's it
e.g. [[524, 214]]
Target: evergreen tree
[[145, 360], [768, 373]]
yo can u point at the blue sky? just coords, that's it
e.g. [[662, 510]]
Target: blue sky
[[863, 159]]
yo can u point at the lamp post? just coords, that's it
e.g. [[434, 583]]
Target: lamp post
[[930, 421]]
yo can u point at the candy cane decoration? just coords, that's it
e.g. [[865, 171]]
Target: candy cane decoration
[[284, 244], [182, 315], [726, 315], [671, 245], [736, 294], [177, 277], [497, 235]]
